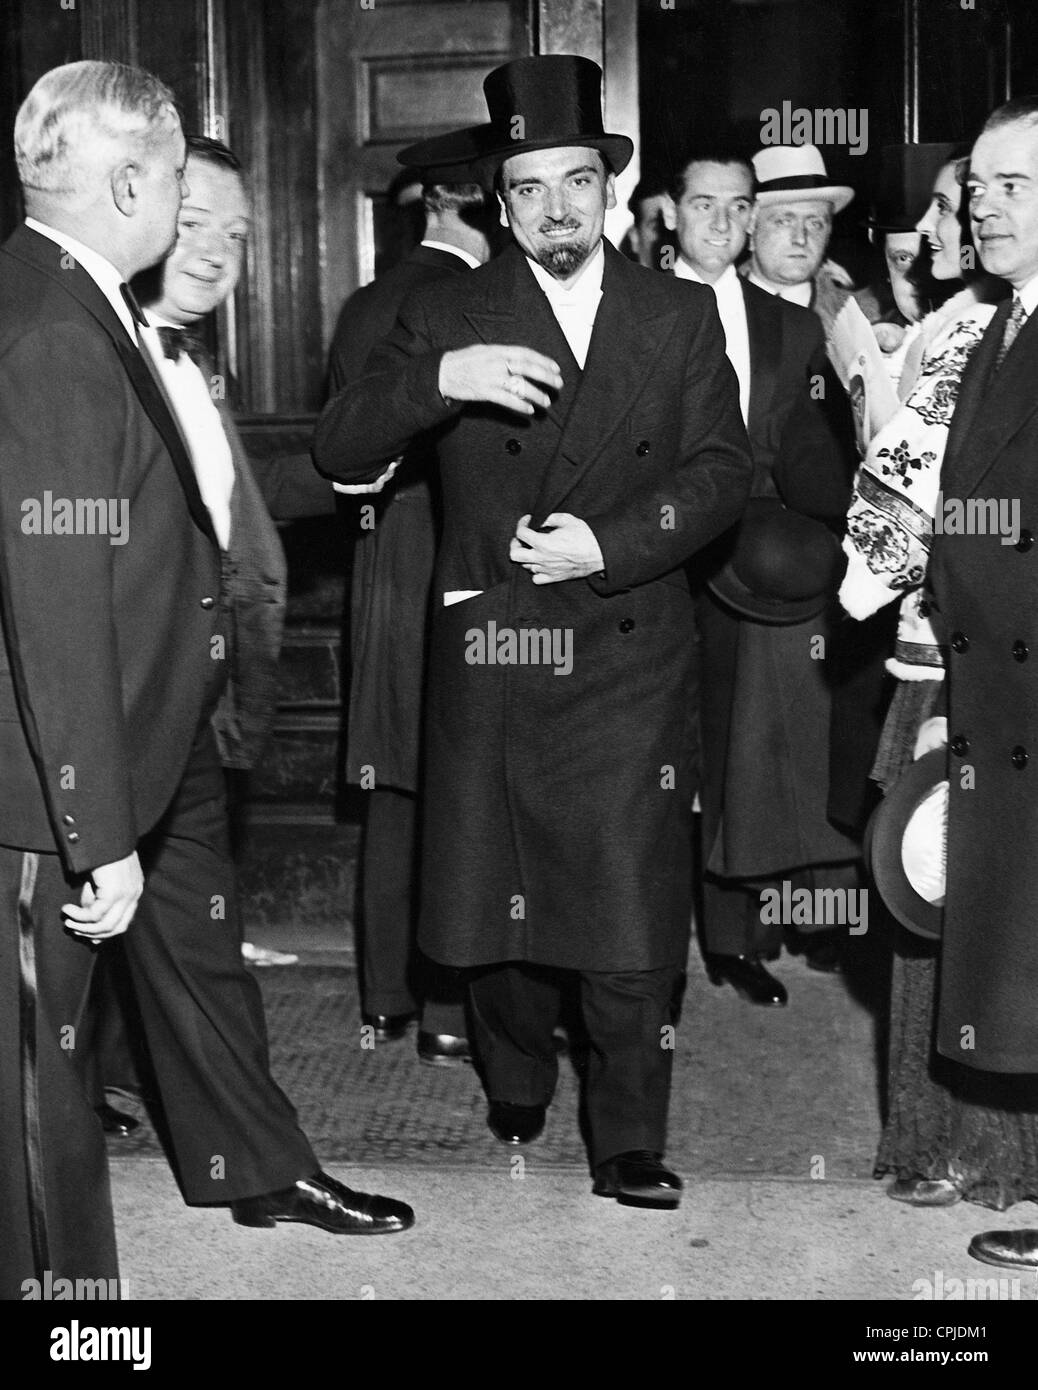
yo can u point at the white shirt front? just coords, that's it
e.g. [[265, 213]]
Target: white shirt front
[[1028, 296], [103, 273], [792, 294], [575, 306], [200, 424], [731, 308]]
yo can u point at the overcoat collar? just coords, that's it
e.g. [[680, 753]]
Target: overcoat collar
[[764, 329], [44, 255], [992, 406], [629, 336]]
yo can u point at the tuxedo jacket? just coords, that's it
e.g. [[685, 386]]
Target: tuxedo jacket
[[108, 659], [393, 558], [558, 787]]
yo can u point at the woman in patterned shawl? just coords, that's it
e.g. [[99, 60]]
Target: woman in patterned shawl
[[950, 1133]]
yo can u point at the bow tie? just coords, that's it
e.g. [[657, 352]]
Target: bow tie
[[176, 341]]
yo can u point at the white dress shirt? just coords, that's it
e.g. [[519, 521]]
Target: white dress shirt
[[576, 305], [104, 275], [200, 424], [792, 294], [731, 308], [1028, 296], [470, 260]]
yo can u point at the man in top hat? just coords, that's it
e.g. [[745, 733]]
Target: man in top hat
[[792, 224], [764, 773], [984, 602], [587, 427], [392, 579]]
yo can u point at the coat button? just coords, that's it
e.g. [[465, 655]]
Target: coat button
[[626, 624], [1018, 758], [208, 602], [1021, 651], [513, 447], [72, 838], [643, 448], [68, 820], [960, 642], [960, 745], [1025, 542]]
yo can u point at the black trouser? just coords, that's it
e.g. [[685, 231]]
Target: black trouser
[[627, 1015], [233, 1132], [396, 976], [732, 913]]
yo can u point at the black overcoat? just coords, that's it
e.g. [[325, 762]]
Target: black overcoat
[[985, 607], [557, 823]]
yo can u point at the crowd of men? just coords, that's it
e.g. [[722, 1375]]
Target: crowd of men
[[651, 468]]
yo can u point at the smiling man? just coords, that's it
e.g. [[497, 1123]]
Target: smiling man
[[588, 436], [985, 597]]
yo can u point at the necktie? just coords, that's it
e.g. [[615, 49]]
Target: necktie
[[1014, 323], [176, 341]]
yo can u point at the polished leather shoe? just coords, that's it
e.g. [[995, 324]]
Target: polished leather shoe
[[388, 1027], [925, 1192], [823, 951], [322, 1201], [443, 1050], [116, 1121], [516, 1124], [748, 977], [637, 1179], [1008, 1249]]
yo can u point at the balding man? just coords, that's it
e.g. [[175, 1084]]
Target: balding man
[[112, 661]]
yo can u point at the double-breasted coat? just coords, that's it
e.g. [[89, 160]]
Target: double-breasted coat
[[984, 604], [558, 790]]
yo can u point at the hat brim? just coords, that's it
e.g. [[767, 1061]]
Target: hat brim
[[885, 835], [617, 149], [734, 594], [837, 194]]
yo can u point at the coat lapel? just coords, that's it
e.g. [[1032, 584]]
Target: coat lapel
[[44, 255], [764, 328], [625, 344], [992, 406]]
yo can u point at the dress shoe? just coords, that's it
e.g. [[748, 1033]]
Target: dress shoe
[[823, 951], [516, 1124], [443, 1050], [638, 1179], [925, 1192], [116, 1121], [748, 977], [1008, 1249], [322, 1201], [388, 1027]]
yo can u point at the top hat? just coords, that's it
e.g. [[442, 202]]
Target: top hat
[[905, 845], [785, 568], [906, 176], [793, 173], [537, 103]]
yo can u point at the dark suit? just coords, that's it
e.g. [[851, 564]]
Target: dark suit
[[389, 603], [765, 701], [106, 690], [985, 607], [557, 826]]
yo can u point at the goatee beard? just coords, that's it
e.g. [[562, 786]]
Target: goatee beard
[[564, 261]]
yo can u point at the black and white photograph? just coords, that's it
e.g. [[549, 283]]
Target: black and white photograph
[[518, 734]]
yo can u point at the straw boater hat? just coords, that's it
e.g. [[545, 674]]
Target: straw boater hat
[[793, 173], [536, 103]]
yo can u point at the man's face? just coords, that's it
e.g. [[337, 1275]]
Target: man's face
[[556, 202], [204, 265], [1003, 192], [161, 185], [712, 217], [789, 239]]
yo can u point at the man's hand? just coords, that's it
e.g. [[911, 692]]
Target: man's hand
[[108, 900], [568, 551], [503, 376]]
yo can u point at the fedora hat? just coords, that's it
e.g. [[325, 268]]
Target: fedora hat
[[793, 173], [905, 184], [537, 103], [785, 567], [905, 845], [450, 158]]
